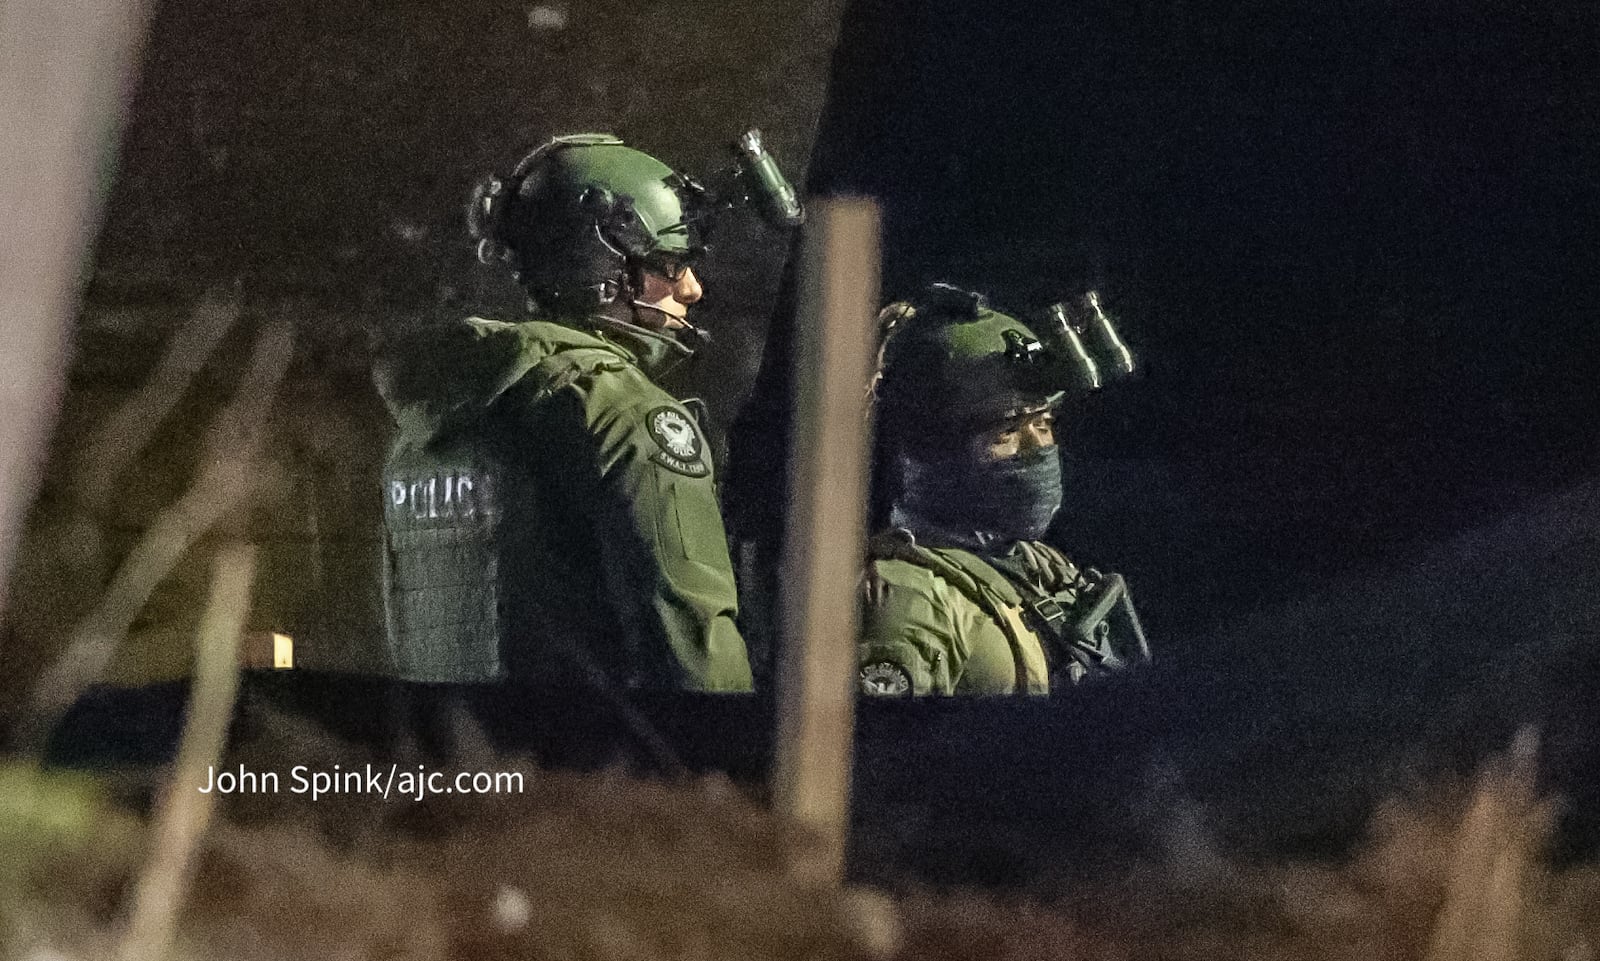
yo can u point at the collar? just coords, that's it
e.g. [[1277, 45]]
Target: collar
[[655, 352], [934, 534]]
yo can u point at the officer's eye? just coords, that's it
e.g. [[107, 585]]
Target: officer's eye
[[669, 269]]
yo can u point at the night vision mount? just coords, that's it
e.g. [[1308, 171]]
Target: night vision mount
[[759, 181]]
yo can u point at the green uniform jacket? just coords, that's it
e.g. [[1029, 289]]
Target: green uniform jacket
[[946, 621], [610, 552]]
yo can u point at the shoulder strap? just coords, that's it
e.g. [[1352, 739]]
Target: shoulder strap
[[1085, 616]]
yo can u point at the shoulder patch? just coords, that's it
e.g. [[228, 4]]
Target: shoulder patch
[[885, 679], [678, 440]]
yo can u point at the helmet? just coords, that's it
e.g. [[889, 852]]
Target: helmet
[[577, 216], [951, 365]]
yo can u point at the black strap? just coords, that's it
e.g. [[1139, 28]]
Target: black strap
[[1091, 624]]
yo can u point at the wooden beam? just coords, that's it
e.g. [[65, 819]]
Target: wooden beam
[[827, 523]]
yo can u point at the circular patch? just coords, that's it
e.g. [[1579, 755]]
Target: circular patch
[[674, 433], [885, 679]]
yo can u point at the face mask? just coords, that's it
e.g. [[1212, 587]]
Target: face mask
[[1000, 502]]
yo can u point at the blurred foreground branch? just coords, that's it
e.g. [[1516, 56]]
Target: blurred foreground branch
[[129, 429], [231, 468], [827, 518], [184, 811], [1498, 847]]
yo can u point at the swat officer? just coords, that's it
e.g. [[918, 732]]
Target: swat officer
[[962, 596], [551, 512]]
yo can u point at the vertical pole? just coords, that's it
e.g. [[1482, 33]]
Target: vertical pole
[[64, 71], [827, 521]]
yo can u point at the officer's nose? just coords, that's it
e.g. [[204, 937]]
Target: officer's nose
[[686, 289]]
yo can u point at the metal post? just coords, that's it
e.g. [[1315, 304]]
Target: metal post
[[827, 521]]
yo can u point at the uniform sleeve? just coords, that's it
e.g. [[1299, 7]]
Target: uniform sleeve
[[907, 638], [921, 636], [663, 549]]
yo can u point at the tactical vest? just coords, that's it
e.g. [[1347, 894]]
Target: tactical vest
[[1088, 627], [444, 507], [441, 563]]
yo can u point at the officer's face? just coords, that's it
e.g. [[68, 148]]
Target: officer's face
[[1018, 435], [670, 298]]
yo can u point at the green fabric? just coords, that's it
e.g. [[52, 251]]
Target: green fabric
[[950, 621], [441, 586], [611, 548]]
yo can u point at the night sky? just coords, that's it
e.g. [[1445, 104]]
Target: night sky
[[1353, 242]]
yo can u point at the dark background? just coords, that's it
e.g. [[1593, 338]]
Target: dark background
[[1353, 242], [1355, 490]]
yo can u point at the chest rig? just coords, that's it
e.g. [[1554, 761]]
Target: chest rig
[[1085, 618]]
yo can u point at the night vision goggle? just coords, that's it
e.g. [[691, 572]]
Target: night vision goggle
[[1078, 342], [1081, 335], [751, 180]]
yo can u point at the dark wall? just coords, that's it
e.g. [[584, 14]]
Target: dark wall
[[337, 142]]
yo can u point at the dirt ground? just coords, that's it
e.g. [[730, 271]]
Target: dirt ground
[[609, 866]]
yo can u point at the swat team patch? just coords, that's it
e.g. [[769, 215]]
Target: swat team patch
[[884, 679], [679, 440]]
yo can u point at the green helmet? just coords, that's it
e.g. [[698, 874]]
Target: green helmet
[[579, 215], [952, 365]]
